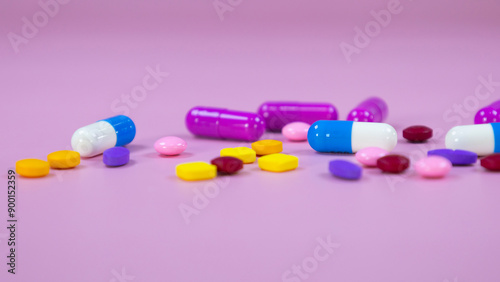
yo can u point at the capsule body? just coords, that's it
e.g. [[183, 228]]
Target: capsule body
[[225, 124], [488, 114], [93, 139], [279, 114], [338, 136], [482, 139], [372, 109]]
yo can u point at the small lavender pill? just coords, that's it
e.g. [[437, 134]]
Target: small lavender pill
[[456, 157], [116, 156], [345, 169]]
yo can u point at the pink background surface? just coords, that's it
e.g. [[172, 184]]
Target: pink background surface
[[91, 223]]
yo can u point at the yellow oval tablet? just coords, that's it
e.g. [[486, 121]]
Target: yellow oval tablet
[[268, 146], [63, 159], [245, 154], [32, 168], [196, 171], [278, 162]]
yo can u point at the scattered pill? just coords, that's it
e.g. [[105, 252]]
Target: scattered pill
[[491, 162], [345, 169], [296, 131], [350, 136], [170, 145], [278, 162], [267, 147], [93, 139], [417, 133], [196, 171], [433, 167], [245, 154], [393, 163], [488, 114], [63, 159], [369, 155], [372, 109], [456, 157], [225, 124], [116, 156], [277, 114], [482, 139], [32, 168], [227, 165]]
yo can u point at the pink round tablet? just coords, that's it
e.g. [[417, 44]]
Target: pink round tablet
[[170, 145], [369, 155], [296, 131], [433, 167]]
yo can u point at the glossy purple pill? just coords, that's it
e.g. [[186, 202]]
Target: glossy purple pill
[[225, 124], [116, 156], [345, 169], [456, 157], [279, 114], [488, 114], [372, 109]]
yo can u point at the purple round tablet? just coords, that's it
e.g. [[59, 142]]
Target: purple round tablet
[[345, 169], [116, 156], [456, 157]]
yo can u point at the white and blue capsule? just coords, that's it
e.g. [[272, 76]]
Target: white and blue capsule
[[94, 139], [338, 136], [482, 139]]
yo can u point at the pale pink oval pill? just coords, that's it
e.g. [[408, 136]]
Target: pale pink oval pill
[[296, 131], [369, 155], [433, 167], [170, 145]]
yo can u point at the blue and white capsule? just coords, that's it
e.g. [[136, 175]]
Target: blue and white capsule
[[94, 139], [482, 139], [338, 136]]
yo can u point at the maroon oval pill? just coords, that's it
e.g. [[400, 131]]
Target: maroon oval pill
[[417, 133], [393, 163], [491, 162], [227, 164]]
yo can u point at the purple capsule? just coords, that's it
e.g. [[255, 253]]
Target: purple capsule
[[345, 169], [279, 114], [225, 124], [488, 114], [116, 156], [456, 157], [372, 109]]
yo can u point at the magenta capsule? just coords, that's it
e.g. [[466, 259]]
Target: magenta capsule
[[488, 114], [372, 109], [225, 124], [279, 114]]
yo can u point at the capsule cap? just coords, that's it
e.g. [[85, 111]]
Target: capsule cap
[[124, 128], [496, 134], [372, 109], [277, 114], [331, 136], [224, 123]]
